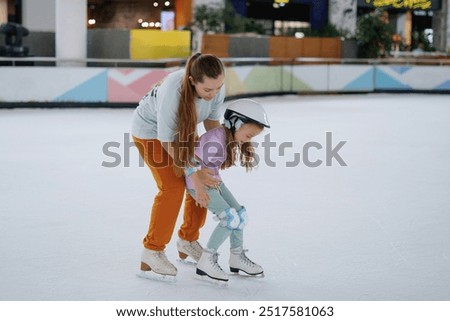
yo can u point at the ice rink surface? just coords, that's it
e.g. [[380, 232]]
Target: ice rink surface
[[71, 223]]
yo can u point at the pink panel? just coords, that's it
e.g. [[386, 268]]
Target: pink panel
[[145, 83], [125, 71], [120, 93]]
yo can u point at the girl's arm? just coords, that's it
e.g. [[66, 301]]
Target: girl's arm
[[202, 176], [211, 153]]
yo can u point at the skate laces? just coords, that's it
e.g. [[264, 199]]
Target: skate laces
[[162, 258], [214, 258], [196, 247], [246, 260], [191, 247]]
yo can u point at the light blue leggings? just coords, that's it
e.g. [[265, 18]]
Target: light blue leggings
[[219, 200]]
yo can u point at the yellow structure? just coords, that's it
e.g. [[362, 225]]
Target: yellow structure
[[156, 44]]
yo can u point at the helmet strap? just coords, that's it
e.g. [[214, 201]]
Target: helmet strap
[[233, 124]]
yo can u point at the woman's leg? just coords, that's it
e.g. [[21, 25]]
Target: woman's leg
[[193, 219], [167, 202]]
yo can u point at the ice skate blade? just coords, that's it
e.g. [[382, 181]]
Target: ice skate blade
[[150, 275], [248, 276], [207, 279], [235, 271]]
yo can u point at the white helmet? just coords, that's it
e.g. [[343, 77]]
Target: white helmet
[[244, 111]]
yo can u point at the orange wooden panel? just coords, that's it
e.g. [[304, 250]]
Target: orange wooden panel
[[294, 47], [312, 47], [330, 48], [277, 47], [216, 44]]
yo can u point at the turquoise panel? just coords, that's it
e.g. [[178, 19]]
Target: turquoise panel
[[363, 82], [401, 69], [385, 81], [444, 86], [94, 89]]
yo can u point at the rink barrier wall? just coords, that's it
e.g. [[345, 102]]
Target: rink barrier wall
[[121, 84]]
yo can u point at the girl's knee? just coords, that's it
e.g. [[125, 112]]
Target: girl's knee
[[243, 218], [229, 218]]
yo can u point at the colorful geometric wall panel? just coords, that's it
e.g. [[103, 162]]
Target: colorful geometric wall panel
[[264, 79], [309, 78], [120, 85], [234, 85], [351, 78], [45, 84], [417, 77], [388, 78], [130, 85], [444, 86], [90, 90]]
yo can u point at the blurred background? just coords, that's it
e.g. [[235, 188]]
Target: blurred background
[[119, 48]]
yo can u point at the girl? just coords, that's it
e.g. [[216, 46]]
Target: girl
[[217, 149], [164, 131]]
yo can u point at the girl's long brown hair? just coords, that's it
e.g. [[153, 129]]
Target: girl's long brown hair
[[198, 67], [245, 151]]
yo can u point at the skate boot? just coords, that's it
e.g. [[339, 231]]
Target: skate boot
[[192, 249], [155, 265], [240, 262], [208, 268]]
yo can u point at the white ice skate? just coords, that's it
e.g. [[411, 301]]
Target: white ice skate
[[209, 270], [189, 249], [240, 262], [156, 266]]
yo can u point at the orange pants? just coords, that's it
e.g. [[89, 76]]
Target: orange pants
[[167, 203]]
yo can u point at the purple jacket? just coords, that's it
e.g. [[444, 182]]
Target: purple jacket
[[211, 151]]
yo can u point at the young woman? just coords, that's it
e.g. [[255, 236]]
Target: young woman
[[164, 131], [220, 148]]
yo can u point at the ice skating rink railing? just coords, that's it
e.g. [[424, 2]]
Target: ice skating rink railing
[[47, 80]]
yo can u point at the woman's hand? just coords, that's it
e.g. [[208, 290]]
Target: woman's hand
[[202, 179], [201, 197], [206, 177]]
